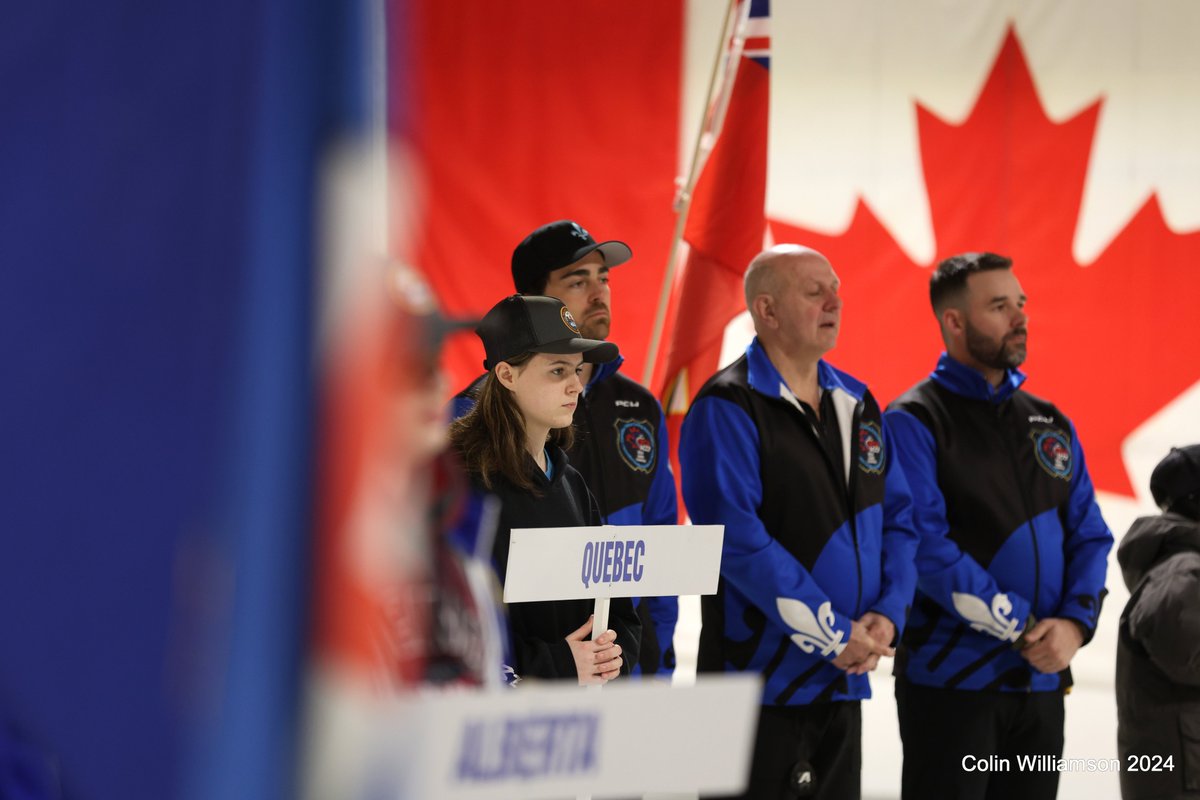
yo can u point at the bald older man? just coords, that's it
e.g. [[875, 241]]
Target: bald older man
[[817, 573]]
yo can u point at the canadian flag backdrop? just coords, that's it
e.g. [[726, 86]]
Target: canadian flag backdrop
[[1058, 134], [1052, 133]]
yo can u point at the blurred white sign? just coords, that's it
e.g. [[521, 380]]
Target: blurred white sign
[[554, 740]]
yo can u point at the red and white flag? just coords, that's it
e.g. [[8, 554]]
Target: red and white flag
[[726, 220]]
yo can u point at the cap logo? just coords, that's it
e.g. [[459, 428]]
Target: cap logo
[[569, 320], [578, 232]]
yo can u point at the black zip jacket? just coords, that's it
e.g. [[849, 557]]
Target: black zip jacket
[[1158, 659], [538, 631], [811, 543], [1009, 528]]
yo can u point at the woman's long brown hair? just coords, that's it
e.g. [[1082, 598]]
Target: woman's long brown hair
[[490, 438]]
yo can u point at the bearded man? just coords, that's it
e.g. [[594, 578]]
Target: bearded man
[[1012, 556]]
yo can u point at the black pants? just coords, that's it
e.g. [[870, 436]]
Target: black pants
[[823, 740], [961, 745]]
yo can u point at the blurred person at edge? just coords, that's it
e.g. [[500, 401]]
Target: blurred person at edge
[[455, 617], [620, 444], [512, 444], [1013, 553], [1158, 652]]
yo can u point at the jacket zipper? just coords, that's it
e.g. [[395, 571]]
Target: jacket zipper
[[851, 490], [840, 480], [1026, 504]]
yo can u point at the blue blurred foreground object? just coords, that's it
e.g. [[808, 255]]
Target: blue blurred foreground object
[[157, 218]]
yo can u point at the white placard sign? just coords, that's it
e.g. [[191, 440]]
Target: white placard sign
[[612, 561], [553, 740]]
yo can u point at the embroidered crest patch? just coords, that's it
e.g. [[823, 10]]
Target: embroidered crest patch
[[1053, 450], [635, 443], [870, 448], [568, 320]]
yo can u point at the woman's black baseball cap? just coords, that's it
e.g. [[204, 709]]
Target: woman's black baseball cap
[[533, 324]]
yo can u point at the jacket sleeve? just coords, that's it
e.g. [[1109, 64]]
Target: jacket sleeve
[[721, 485], [527, 656], [1086, 545], [1165, 618], [899, 541], [954, 580], [540, 658], [662, 508]]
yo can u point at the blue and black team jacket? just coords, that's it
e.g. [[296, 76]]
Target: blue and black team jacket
[[1009, 527], [808, 547], [621, 451]]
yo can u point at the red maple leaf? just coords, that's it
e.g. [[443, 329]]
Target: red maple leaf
[[1109, 344]]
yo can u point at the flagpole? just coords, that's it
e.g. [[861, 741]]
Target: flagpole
[[713, 113]]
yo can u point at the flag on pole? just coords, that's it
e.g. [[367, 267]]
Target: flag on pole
[[726, 222]]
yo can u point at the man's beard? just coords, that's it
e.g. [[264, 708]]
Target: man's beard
[[1003, 354], [596, 327]]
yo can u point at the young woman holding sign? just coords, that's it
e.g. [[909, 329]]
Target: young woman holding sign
[[512, 444]]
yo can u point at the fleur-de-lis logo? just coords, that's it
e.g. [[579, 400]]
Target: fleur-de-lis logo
[[813, 631], [993, 621], [578, 232], [509, 677]]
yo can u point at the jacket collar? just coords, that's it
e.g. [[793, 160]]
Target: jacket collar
[[764, 378], [847, 392], [558, 459], [603, 372], [969, 382]]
